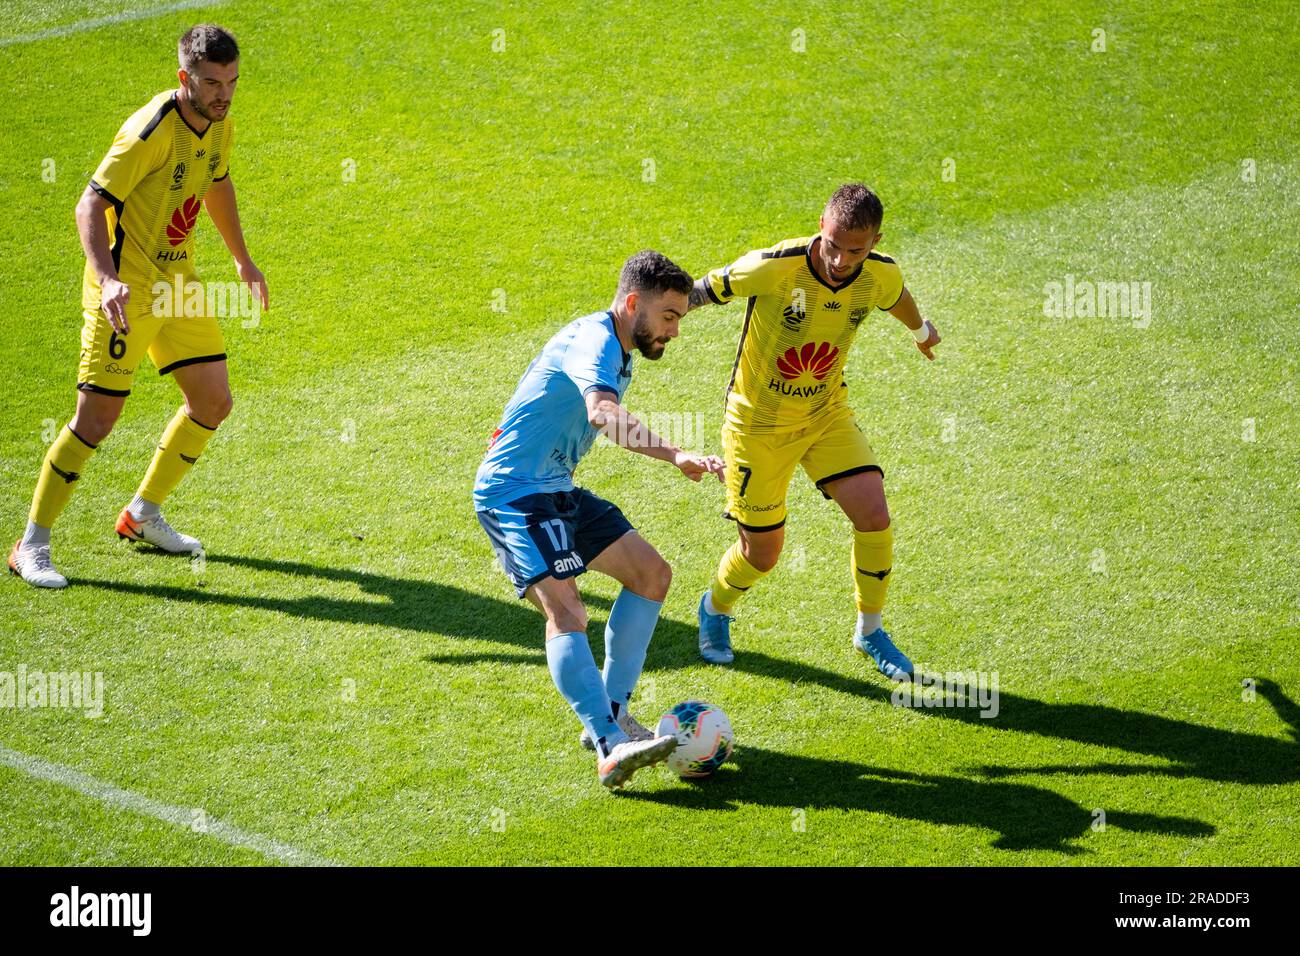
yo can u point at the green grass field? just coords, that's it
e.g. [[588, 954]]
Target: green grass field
[[1102, 513]]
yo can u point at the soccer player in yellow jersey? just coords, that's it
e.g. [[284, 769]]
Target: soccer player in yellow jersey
[[787, 406], [136, 220]]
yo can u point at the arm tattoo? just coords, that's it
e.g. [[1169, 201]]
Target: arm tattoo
[[699, 294]]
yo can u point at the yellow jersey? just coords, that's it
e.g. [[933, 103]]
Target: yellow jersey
[[789, 368], [155, 176]]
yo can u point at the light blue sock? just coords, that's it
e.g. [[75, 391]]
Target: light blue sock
[[574, 671], [627, 637]]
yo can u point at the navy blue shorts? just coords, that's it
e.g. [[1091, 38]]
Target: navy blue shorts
[[551, 535]]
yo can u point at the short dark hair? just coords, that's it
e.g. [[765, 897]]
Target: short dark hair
[[650, 271], [206, 43], [854, 206]]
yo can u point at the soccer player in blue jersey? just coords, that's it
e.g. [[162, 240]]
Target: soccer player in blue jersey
[[546, 531]]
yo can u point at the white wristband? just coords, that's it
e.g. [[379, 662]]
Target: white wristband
[[921, 334]]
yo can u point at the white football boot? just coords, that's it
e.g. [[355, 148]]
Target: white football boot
[[630, 756], [33, 565], [156, 531]]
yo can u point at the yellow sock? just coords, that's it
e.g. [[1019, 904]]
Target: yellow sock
[[873, 559], [735, 576], [63, 465], [182, 442]]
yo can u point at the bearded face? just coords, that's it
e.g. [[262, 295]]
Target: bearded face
[[644, 336], [211, 87]]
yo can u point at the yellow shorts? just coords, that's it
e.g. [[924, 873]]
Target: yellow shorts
[[109, 359], [759, 467]]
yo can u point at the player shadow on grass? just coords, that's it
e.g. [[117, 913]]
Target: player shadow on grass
[[1024, 817], [1265, 760], [1193, 750], [445, 610], [406, 603]]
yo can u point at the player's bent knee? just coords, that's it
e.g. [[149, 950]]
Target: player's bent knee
[[214, 411], [658, 579], [761, 558], [91, 432], [95, 416], [92, 428], [874, 520]]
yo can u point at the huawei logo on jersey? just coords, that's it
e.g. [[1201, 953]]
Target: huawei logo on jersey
[[816, 358], [183, 220]]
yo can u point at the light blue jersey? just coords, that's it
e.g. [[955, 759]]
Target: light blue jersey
[[544, 431]]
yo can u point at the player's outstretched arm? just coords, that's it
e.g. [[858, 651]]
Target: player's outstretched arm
[[699, 294], [926, 335], [622, 428], [224, 212]]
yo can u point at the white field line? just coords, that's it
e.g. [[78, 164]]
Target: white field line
[[94, 24], [138, 803]]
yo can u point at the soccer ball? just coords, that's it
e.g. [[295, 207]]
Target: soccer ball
[[704, 738]]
